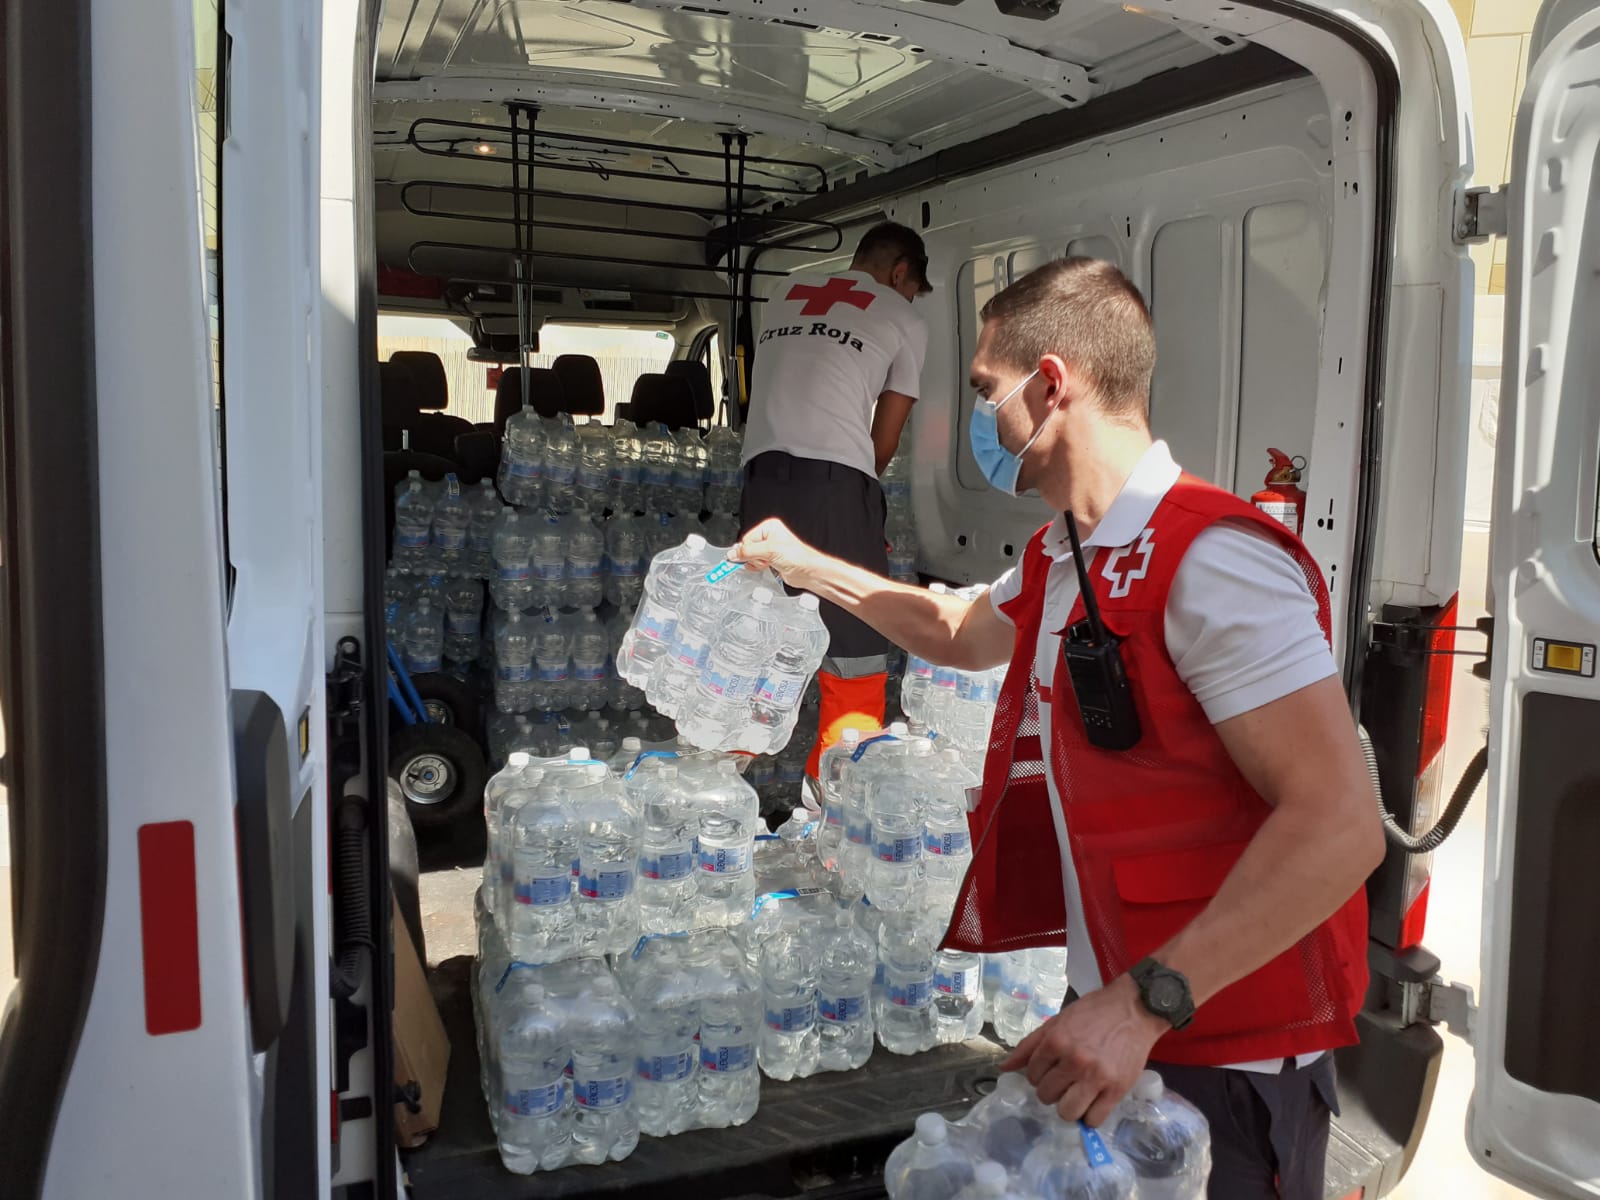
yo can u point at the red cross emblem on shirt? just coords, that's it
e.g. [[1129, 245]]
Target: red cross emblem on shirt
[[819, 301]]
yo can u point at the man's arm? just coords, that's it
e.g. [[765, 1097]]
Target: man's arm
[[1316, 848], [948, 630], [888, 422]]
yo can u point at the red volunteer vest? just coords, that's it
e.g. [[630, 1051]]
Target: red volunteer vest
[[1153, 831]]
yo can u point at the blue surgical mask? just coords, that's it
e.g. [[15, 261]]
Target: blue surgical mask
[[999, 466]]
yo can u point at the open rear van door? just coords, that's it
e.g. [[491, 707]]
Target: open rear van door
[[1536, 1107]]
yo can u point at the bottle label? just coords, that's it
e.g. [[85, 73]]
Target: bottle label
[[410, 537], [480, 541], [793, 1018], [626, 569], [605, 883], [832, 816], [543, 1101], [589, 673], [731, 477], [958, 983], [562, 472], [422, 666], [727, 1060], [667, 867], [725, 860], [542, 891], [515, 672], [611, 1092], [693, 654], [449, 539], [512, 572], [920, 667], [791, 771], [950, 843], [858, 832], [657, 629], [726, 685], [583, 570], [626, 473], [551, 570], [553, 674], [841, 1010], [523, 468], [657, 477], [944, 678], [913, 993], [592, 477], [664, 1068], [463, 624], [780, 691], [898, 849]]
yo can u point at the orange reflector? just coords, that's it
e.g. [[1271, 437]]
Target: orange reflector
[[169, 927]]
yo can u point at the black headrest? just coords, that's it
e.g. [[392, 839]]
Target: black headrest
[[427, 369], [583, 384], [479, 455], [698, 376], [663, 398], [544, 390], [399, 393]]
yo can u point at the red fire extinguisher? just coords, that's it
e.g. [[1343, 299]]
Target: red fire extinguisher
[[1282, 499]]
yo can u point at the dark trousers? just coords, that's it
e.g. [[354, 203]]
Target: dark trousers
[[1269, 1133], [840, 511]]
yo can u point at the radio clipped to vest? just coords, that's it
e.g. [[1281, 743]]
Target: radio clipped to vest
[[1093, 656]]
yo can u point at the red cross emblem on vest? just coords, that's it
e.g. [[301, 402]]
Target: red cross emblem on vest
[[819, 301]]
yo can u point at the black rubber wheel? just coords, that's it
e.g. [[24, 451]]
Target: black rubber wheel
[[449, 701], [404, 869], [441, 773]]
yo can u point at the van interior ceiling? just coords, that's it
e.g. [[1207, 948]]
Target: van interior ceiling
[[661, 164]]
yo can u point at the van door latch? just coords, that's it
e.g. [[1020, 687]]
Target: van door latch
[[1480, 214], [1439, 1003]]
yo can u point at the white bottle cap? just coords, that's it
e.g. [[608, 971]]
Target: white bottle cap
[[578, 754], [761, 596], [800, 814], [1149, 1086], [990, 1178], [520, 759], [900, 729], [695, 542], [931, 1129], [1013, 1083], [632, 744], [850, 735], [809, 602]]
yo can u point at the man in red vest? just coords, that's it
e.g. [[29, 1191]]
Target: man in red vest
[[1175, 792]]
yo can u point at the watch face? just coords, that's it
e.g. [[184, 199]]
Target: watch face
[[1166, 994]]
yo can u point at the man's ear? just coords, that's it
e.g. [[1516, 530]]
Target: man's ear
[[1060, 379]]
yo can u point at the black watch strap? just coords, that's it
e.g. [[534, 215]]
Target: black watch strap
[[1165, 992]]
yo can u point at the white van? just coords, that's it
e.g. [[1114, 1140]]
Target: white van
[[206, 205]]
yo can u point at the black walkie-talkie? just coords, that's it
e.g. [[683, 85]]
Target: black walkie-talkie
[[1094, 659]]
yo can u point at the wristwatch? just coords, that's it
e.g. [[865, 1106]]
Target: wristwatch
[[1165, 992]]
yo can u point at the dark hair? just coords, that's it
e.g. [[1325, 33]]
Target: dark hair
[[885, 245], [1089, 313]]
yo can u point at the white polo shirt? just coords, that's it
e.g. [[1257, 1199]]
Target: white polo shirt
[[1241, 628], [829, 346]]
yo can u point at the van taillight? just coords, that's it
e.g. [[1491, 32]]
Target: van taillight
[[1428, 792]]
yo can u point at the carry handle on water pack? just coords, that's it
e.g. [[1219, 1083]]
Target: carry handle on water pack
[[1093, 656]]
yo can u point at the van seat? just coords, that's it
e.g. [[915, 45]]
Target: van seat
[[664, 398], [544, 391], [698, 376], [427, 369], [583, 384], [478, 453]]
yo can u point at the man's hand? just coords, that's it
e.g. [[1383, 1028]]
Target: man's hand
[[1087, 1057], [771, 544]]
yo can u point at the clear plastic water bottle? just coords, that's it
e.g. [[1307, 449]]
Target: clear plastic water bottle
[[513, 654], [549, 560], [906, 946], [846, 961], [859, 778], [511, 546], [724, 474], [608, 857], [397, 592], [659, 455], [900, 531], [1059, 1166], [702, 607], [535, 1120], [1009, 1012], [668, 886], [463, 619], [413, 523], [1010, 1121], [916, 683], [947, 838], [1167, 1139], [483, 507], [424, 638], [1047, 967], [689, 472], [942, 696], [560, 464], [896, 479], [624, 560], [729, 813], [604, 1125], [621, 696], [928, 1165], [957, 996], [720, 713], [584, 587], [730, 1024], [451, 515], [521, 474], [497, 855], [662, 978], [830, 778], [552, 657], [775, 705], [895, 809], [589, 654], [790, 1040], [592, 480], [627, 468], [990, 1182], [544, 844], [651, 634]]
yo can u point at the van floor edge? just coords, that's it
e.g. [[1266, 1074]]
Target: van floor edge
[[823, 1136]]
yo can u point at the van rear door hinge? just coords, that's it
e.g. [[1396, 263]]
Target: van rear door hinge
[[1480, 214]]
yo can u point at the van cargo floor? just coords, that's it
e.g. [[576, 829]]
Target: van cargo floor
[[823, 1136]]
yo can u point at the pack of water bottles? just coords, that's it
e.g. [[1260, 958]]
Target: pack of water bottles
[[1155, 1146], [958, 705], [900, 529], [722, 650]]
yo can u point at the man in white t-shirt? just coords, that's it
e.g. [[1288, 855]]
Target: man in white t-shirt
[[1193, 818], [838, 366]]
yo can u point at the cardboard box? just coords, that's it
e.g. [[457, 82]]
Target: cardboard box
[[421, 1049]]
